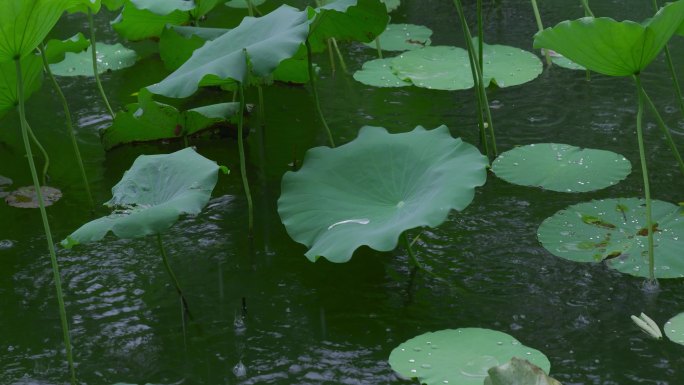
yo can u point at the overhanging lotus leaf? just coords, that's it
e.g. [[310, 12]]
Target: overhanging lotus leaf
[[369, 191], [152, 195], [459, 356]]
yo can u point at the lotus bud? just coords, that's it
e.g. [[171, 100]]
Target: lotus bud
[[648, 326]]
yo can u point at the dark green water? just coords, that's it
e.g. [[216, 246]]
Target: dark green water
[[324, 323]]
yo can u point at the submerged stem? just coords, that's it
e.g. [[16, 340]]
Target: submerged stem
[[69, 124], [93, 49], [165, 259], [46, 224], [409, 250], [665, 130], [540, 27], [46, 166], [343, 65], [241, 150], [314, 91], [644, 171]]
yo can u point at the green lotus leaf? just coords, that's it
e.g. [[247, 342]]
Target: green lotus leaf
[[138, 24], [293, 70], [32, 74], [378, 73], [151, 196], [347, 20], [459, 356], [266, 41], [368, 191], [177, 43], [203, 7], [562, 61], [113, 5], [561, 167], [92, 5], [56, 49], [148, 120], [518, 372], [109, 58], [391, 5], [680, 31], [26, 197], [164, 7], [403, 37], [508, 66], [610, 47], [614, 231], [243, 3], [674, 329]]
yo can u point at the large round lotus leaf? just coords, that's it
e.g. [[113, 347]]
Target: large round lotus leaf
[[460, 356], [674, 329], [518, 372], [377, 73], [615, 230], [243, 3], [32, 74], [438, 67], [26, 197], [109, 58], [152, 195], [509, 66], [611, 47], [369, 191], [561, 167], [403, 37]]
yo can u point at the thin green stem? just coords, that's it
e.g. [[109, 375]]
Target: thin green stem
[[262, 108], [165, 259], [665, 130], [409, 250], [540, 27], [46, 166], [587, 10], [480, 35], [69, 124], [93, 49], [331, 57], [644, 171], [250, 8], [243, 167], [378, 47], [343, 65], [314, 91], [46, 224]]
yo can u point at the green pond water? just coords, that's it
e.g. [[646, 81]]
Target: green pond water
[[261, 307]]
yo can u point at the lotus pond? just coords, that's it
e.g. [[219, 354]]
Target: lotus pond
[[399, 256]]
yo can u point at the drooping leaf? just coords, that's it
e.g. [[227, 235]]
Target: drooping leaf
[[109, 58], [26, 197], [138, 24], [148, 120], [266, 41], [4, 183], [403, 37], [347, 20], [611, 47], [378, 73], [674, 329], [243, 3], [615, 231], [32, 74], [518, 372], [56, 49], [461, 356], [369, 191], [561, 167], [177, 43], [151, 196]]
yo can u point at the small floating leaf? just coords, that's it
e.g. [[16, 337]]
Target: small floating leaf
[[109, 58], [674, 329], [377, 73], [518, 372], [4, 183], [26, 197], [561, 167], [611, 230], [460, 356], [403, 37], [368, 191]]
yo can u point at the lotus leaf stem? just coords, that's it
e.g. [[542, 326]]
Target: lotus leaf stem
[[587, 10], [378, 47], [250, 8], [69, 124], [409, 250], [241, 150], [262, 108], [314, 91], [46, 224], [165, 259], [331, 57], [46, 166], [343, 65], [93, 49], [480, 34], [665, 130], [540, 27], [644, 171]]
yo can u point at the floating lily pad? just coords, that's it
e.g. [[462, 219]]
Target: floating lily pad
[[403, 37], [614, 231], [674, 329], [518, 372], [109, 58], [26, 197], [243, 3], [152, 195], [377, 73], [460, 356], [561, 167], [369, 191], [4, 183]]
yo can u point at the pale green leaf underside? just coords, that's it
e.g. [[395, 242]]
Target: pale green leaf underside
[[459, 356], [611, 47], [615, 230], [177, 43], [518, 371], [164, 7], [109, 58], [403, 37], [561, 167], [378, 73], [674, 329], [151, 196], [368, 191], [32, 74]]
